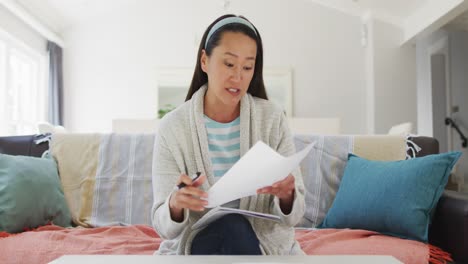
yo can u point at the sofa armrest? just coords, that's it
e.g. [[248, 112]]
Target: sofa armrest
[[449, 229], [23, 145]]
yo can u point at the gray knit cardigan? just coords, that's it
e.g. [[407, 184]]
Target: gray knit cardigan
[[181, 146]]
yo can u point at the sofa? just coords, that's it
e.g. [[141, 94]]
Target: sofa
[[448, 230]]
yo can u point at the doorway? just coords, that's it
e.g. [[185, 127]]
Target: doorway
[[440, 101]]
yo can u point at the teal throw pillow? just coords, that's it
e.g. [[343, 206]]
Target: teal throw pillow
[[31, 194], [391, 197]]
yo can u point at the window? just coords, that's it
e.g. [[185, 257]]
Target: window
[[22, 87]]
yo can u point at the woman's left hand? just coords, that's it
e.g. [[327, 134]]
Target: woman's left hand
[[283, 189]]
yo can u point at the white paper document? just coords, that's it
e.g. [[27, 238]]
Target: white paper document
[[218, 212], [261, 166]]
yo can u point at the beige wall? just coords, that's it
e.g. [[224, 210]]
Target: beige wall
[[111, 64], [111, 61]]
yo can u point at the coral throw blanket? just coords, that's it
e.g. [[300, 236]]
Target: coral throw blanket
[[47, 243]]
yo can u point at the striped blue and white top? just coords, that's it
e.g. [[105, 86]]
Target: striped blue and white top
[[223, 144], [224, 147]]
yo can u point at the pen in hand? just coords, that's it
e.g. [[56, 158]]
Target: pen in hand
[[194, 178]]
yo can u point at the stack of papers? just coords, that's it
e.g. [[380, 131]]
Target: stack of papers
[[261, 166]]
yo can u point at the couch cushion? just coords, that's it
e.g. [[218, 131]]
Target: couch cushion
[[123, 192], [30, 194], [77, 157], [106, 177], [394, 197]]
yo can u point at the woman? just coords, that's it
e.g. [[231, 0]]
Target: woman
[[226, 112]]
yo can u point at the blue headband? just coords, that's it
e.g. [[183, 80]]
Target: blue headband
[[225, 21]]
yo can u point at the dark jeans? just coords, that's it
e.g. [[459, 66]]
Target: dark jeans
[[232, 234]]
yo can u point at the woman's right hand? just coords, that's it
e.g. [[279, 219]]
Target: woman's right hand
[[187, 197]]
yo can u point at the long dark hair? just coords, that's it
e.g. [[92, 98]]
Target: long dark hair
[[257, 86]]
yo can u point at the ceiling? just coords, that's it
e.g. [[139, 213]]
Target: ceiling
[[460, 22], [397, 9], [59, 14]]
